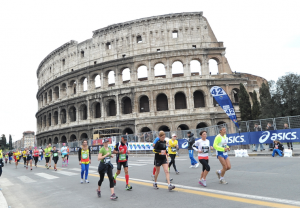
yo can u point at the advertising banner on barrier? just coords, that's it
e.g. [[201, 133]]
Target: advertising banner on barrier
[[257, 137], [140, 146]]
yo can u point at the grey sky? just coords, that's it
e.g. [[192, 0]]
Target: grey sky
[[262, 38]]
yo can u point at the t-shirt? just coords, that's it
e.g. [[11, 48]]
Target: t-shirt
[[24, 153], [17, 155], [1, 154], [220, 143], [29, 153], [104, 152], [85, 156], [41, 151], [64, 150], [36, 153], [204, 146], [172, 145], [54, 153], [121, 157], [48, 151]]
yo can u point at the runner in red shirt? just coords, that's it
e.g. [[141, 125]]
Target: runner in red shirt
[[121, 149], [36, 153]]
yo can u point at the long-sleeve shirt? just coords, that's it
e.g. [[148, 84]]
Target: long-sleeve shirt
[[159, 146], [220, 143]]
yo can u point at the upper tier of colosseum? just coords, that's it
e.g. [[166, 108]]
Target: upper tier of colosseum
[[130, 39]]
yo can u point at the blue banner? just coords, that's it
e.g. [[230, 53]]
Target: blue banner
[[224, 102], [257, 137]]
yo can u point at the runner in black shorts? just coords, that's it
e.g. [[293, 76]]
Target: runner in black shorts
[[55, 152], [160, 150], [29, 158], [121, 149]]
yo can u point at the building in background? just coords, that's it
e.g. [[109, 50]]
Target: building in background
[[28, 139]]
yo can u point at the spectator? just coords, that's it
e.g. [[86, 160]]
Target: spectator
[[258, 128], [278, 148], [269, 128], [289, 144]]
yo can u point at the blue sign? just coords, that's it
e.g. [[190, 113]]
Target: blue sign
[[224, 101], [257, 137]]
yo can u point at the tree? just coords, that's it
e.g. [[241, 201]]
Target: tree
[[256, 107], [3, 141], [244, 104], [10, 143], [265, 101]]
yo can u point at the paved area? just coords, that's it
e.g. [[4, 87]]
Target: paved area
[[253, 182]]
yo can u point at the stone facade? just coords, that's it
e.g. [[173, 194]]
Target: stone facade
[[162, 99]]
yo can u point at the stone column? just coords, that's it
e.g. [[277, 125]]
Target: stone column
[[205, 66], [88, 110], [118, 105], [186, 69], [150, 71], [103, 113], [102, 80]]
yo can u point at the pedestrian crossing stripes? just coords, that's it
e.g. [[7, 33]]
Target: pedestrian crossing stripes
[[26, 179], [65, 173], [5, 182], [79, 170], [46, 176]]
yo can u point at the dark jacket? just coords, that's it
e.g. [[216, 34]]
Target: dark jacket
[[79, 153], [270, 128], [257, 128], [280, 147], [191, 141]]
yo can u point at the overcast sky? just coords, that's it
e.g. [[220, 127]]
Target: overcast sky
[[261, 37]]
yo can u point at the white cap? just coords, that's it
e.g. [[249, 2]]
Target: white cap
[[174, 135]]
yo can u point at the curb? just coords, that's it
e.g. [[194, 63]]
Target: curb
[[264, 155], [3, 202]]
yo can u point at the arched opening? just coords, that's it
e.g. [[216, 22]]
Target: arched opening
[[63, 139], [235, 96], [84, 136], [213, 67], [73, 87], [195, 67], [72, 138], [83, 84], [63, 90], [145, 129], [144, 104], [175, 34], [159, 70], [45, 99], [55, 140], [112, 108], [126, 75], [162, 102], [139, 39], [198, 99], [45, 142], [63, 116], [177, 69], [55, 116], [128, 131], [49, 119], [72, 114], [215, 103], [183, 127], [111, 78], [97, 81], [180, 100], [49, 141], [201, 125], [126, 105], [164, 128], [83, 112], [96, 110], [221, 122], [50, 95], [44, 120], [142, 73]]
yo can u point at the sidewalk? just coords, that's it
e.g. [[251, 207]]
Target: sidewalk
[[3, 202]]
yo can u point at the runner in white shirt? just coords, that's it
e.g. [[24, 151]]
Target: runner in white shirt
[[203, 145], [64, 154]]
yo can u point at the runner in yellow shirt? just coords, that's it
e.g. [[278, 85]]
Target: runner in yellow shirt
[[17, 156], [173, 146], [24, 156]]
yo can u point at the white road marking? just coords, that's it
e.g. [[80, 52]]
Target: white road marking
[[26, 179], [94, 167], [65, 173], [5, 182], [46, 176], [75, 169]]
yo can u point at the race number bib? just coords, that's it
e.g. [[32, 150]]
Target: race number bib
[[107, 160], [55, 154], [205, 149], [122, 157], [47, 154], [17, 157], [163, 152], [225, 153], [84, 156], [173, 149]]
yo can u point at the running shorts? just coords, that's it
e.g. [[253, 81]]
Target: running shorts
[[222, 154], [120, 164], [47, 159], [63, 155], [160, 162], [55, 159], [29, 158]]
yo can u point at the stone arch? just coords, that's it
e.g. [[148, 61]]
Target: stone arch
[[55, 117], [128, 131], [180, 100], [49, 119], [55, 141], [235, 95], [63, 139], [45, 142], [145, 129], [50, 95], [63, 89], [183, 127], [97, 80], [44, 121], [84, 136], [177, 69], [159, 70], [45, 97], [215, 103], [144, 104], [72, 138], [72, 113], [139, 39], [221, 122], [162, 102], [111, 77], [83, 112], [201, 125], [49, 141], [199, 101], [142, 72], [63, 116], [213, 64], [126, 105], [164, 128], [96, 110], [73, 85], [195, 67], [83, 84], [111, 108], [125, 75]]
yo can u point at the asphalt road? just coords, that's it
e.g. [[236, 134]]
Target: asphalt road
[[252, 182]]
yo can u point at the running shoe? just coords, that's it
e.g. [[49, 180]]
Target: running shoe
[[45, 165], [223, 181], [30, 168], [177, 172], [98, 193], [81, 181], [55, 169], [196, 166], [26, 167], [153, 177], [218, 174], [203, 183], [171, 187], [113, 196], [86, 181], [192, 166], [115, 182], [128, 187], [200, 182], [155, 186]]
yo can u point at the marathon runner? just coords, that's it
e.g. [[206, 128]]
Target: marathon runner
[[55, 158], [64, 153], [220, 145], [1, 160], [50, 147], [6, 157], [173, 146], [24, 153], [105, 166], [121, 151], [36, 153], [17, 156], [10, 154], [160, 150], [29, 158], [68, 151], [191, 141], [41, 153], [47, 151], [84, 156], [202, 146]]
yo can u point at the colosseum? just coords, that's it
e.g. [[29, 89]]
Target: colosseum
[[144, 75]]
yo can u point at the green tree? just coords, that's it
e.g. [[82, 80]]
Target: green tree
[[244, 104], [265, 101], [10, 143], [3, 141], [255, 107]]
